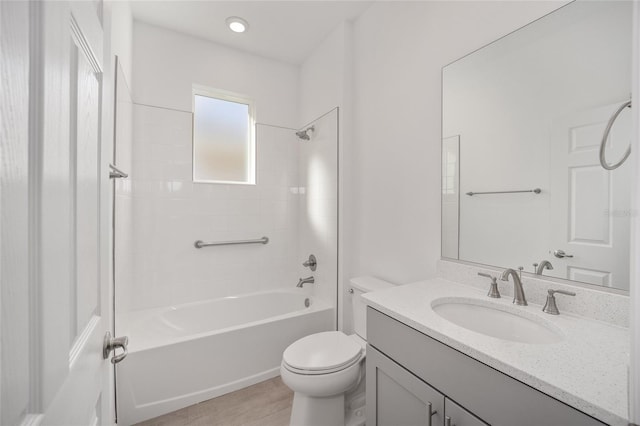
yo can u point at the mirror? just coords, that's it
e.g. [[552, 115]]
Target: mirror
[[523, 119]]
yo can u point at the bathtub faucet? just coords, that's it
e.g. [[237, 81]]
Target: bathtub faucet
[[303, 281]]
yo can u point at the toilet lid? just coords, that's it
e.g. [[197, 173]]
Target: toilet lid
[[328, 350]]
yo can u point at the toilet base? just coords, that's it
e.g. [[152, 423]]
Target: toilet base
[[355, 410], [317, 411]]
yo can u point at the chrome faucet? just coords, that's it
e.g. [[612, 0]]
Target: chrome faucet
[[518, 292], [540, 267], [304, 281], [551, 307]]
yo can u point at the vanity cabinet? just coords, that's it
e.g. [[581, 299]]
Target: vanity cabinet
[[455, 415], [409, 373], [402, 399]]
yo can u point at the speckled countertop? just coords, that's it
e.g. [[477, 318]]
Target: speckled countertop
[[586, 370]]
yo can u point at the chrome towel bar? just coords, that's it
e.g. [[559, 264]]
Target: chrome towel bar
[[199, 244], [535, 191]]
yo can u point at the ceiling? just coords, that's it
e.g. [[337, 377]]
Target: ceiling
[[285, 30]]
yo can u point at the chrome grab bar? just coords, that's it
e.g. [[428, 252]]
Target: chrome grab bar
[[535, 190], [199, 244], [605, 136]]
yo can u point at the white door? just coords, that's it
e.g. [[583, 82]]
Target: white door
[[590, 205], [64, 379]]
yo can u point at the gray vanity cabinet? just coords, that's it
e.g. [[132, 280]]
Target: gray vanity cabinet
[[407, 370], [401, 399], [455, 415]]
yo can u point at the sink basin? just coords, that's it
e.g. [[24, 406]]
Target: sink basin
[[502, 322]]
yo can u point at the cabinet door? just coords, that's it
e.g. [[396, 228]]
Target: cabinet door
[[455, 415], [396, 397]]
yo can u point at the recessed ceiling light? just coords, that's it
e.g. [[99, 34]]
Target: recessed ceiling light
[[237, 25]]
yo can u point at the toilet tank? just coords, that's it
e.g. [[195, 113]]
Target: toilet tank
[[361, 285]]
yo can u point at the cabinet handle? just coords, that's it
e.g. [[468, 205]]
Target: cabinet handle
[[430, 413], [447, 421]]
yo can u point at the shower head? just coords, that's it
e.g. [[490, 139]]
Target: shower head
[[306, 133]]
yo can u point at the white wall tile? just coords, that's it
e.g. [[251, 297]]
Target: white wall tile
[[169, 213]]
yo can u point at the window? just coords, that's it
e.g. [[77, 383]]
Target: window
[[223, 137]]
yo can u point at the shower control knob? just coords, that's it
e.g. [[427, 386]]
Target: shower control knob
[[311, 263]]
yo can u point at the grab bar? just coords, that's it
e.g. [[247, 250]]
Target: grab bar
[[535, 190], [199, 244], [605, 136]]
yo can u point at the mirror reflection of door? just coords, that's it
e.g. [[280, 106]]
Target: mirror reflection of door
[[589, 206]]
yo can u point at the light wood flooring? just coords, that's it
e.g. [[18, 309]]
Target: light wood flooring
[[264, 404]]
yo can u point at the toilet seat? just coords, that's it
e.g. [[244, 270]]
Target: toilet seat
[[322, 353]]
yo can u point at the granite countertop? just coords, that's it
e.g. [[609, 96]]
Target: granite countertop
[[586, 370]]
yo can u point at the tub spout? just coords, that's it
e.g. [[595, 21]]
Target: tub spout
[[304, 281]]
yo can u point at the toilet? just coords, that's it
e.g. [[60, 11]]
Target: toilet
[[326, 370]]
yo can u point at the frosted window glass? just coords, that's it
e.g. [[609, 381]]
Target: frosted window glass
[[222, 145]]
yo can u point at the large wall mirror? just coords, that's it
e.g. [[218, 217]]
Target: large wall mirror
[[523, 119]]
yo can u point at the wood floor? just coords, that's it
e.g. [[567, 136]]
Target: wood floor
[[265, 404]]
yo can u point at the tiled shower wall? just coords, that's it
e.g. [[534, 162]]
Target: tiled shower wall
[[170, 212], [161, 212]]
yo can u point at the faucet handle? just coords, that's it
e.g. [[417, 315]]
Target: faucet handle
[[493, 290], [550, 307], [482, 274], [568, 293]]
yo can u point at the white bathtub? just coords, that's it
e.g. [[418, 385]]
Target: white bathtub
[[181, 355]]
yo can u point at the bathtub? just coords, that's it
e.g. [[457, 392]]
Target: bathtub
[[185, 354]]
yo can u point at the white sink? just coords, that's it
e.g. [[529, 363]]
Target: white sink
[[503, 322]]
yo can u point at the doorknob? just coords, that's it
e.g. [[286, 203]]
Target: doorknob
[[560, 254], [111, 343]]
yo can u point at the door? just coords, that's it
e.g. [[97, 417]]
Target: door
[[396, 397], [63, 377], [590, 206]]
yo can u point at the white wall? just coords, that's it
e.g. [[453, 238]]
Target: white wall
[[400, 48], [122, 35], [167, 64]]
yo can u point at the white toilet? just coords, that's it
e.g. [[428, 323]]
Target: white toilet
[[321, 368]]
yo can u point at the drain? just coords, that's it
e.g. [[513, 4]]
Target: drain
[[307, 302]]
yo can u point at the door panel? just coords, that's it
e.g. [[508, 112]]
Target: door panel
[[589, 205], [69, 375], [396, 397], [14, 212], [85, 121]]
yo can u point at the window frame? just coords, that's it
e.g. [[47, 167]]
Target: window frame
[[225, 95]]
